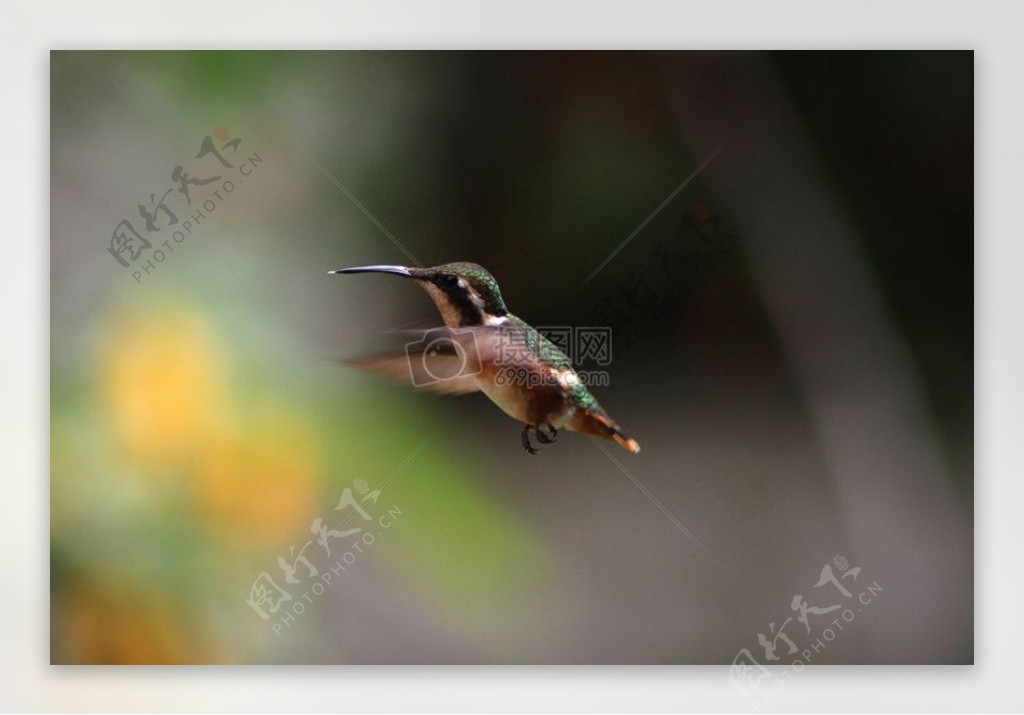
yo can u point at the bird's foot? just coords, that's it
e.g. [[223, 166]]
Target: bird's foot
[[526, 439], [546, 438]]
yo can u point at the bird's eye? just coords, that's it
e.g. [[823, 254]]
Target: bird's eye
[[449, 281]]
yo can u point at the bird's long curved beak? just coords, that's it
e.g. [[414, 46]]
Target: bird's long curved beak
[[396, 270]]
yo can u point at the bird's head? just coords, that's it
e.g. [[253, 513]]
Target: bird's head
[[465, 293]]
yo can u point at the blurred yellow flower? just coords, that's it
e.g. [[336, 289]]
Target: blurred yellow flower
[[127, 629], [251, 464], [161, 383], [257, 483]]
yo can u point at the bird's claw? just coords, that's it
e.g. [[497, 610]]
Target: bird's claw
[[526, 439], [546, 438], [542, 437]]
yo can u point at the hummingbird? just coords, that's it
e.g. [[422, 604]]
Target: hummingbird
[[535, 384]]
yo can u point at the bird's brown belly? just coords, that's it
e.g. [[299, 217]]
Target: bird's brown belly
[[524, 395]]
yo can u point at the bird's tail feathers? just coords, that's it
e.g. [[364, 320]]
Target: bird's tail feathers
[[601, 425]]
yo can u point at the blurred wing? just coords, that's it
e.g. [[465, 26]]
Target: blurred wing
[[446, 360], [485, 343], [435, 372]]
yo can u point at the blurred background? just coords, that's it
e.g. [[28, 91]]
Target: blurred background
[[792, 346]]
